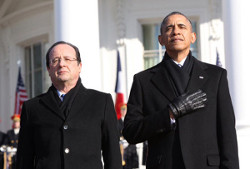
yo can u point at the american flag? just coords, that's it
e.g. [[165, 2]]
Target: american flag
[[21, 94], [119, 88]]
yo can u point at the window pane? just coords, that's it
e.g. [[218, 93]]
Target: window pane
[[150, 36], [38, 82], [37, 55], [28, 69], [194, 45], [34, 69]]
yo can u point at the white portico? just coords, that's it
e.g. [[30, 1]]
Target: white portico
[[236, 23]]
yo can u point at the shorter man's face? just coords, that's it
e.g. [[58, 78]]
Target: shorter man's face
[[64, 67], [177, 34], [16, 124]]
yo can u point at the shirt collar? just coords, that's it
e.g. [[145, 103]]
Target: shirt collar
[[181, 62], [59, 94]]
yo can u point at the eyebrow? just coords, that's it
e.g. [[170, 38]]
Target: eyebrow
[[56, 56], [179, 24]]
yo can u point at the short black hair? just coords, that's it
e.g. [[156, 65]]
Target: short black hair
[[163, 23], [78, 56]]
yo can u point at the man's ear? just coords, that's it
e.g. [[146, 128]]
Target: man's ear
[[80, 67], [193, 37], [48, 68], [160, 39]]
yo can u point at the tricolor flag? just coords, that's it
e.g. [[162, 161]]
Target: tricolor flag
[[21, 94], [119, 88], [218, 63]]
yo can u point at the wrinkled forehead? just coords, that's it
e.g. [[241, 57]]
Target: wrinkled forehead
[[62, 50]]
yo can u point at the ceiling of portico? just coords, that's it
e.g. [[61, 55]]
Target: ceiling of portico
[[8, 7]]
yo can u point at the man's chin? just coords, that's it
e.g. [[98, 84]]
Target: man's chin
[[177, 48], [62, 79]]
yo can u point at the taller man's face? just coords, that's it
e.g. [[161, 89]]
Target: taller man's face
[[177, 34], [64, 67]]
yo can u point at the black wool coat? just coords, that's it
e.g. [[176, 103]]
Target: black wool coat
[[12, 138], [49, 140], [207, 136], [2, 138]]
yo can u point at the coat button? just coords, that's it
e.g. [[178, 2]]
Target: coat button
[[65, 127], [66, 150]]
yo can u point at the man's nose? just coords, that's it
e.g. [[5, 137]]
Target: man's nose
[[176, 30], [62, 62]]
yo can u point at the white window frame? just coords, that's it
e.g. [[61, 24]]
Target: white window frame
[[31, 87]]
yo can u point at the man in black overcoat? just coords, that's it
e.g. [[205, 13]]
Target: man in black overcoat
[[2, 138], [182, 107], [70, 126]]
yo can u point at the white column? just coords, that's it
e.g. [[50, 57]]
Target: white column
[[236, 15], [76, 21]]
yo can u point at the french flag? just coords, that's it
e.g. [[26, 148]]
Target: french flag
[[119, 88]]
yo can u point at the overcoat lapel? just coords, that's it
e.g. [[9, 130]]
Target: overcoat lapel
[[162, 82], [79, 101], [49, 101], [198, 76]]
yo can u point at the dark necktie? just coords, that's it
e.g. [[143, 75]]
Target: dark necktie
[[62, 96]]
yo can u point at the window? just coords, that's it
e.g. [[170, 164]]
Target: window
[[194, 46], [34, 69], [153, 51]]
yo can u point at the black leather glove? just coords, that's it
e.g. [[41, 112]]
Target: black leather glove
[[187, 103]]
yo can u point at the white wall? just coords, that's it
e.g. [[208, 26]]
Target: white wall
[[18, 29], [236, 15], [4, 87]]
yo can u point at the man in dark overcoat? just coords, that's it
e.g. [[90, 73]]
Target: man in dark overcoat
[[2, 138], [70, 126], [182, 107]]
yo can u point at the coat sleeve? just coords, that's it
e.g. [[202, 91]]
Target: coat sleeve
[[226, 127], [140, 125], [110, 139], [25, 153]]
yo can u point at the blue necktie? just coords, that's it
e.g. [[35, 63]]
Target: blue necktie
[[62, 96]]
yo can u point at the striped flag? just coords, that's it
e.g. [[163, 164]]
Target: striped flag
[[119, 88], [21, 94]]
